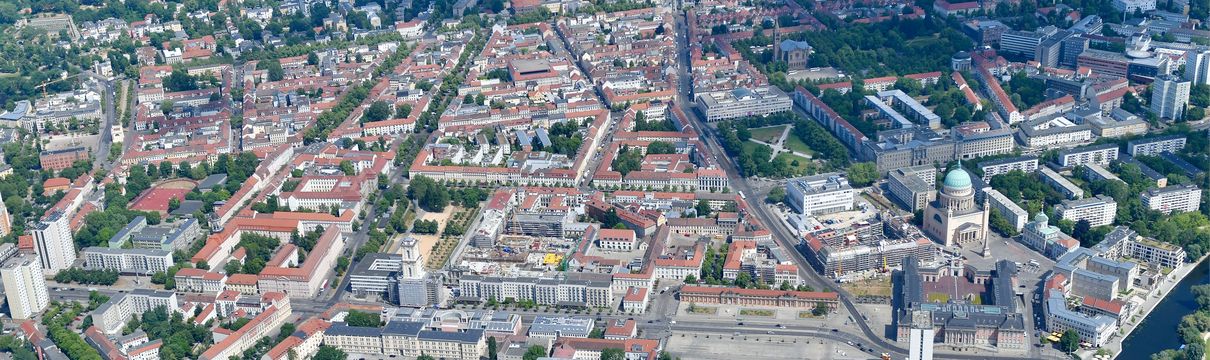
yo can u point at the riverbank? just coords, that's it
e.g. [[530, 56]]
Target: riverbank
[[1171, 314]]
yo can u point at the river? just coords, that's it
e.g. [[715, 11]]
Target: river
[[1163, 320]]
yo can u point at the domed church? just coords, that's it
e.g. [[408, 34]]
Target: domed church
[[954, 218]]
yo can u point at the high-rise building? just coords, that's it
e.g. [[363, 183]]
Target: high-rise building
[[921, 346], [1169, 96], [24, 287], [1197, 66], [55, 248]]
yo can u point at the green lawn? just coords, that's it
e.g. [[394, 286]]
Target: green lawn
[[938, 297], [795, 144], [750, 146], [768, 134], [804, 165], [756, 312]]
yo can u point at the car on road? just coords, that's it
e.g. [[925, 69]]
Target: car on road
[[770, 332], [741, 323]]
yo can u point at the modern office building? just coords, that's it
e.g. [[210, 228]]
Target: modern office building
[[375, 274], [1098, 210], [1186, 198], [24, 287], [1053, 132], [820, 194], [553, 327], [742, 102], [913, 186], [1105, 62], [1073, 46], [1024, 43], [534, 223], [1169, 96], [1094, 330], [1153, 146], [55, 246]]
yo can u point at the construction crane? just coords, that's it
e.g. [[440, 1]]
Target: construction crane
[[47, 83]]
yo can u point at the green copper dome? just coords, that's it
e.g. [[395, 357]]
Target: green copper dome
[[957, 179]]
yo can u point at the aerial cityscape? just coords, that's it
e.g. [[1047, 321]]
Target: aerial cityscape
[[604, 179]]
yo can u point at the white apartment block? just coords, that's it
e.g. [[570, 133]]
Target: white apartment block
[[1158, 253], [1007, 209], [24, 287], [544, 291], [992, 168], [1169, 96], [128, 261], [1096, 154], [1129, 6], [820, 194], [1156, 145], [743, 102], [55, 247], [1123, 242], [1099, 210], [1185, 198], [113, 315]]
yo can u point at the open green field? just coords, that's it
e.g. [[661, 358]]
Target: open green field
[[804, 165], [795, 144], [750, 146], [768, 134]]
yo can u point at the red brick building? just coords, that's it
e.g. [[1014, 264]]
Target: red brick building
[[62, 159]]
